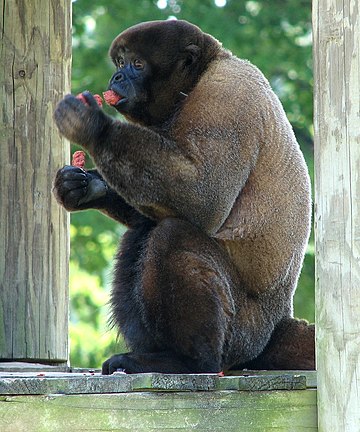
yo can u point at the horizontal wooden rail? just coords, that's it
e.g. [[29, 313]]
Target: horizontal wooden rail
[[253, 401]]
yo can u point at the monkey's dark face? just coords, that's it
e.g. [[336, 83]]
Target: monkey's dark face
[[129, 83], [157, 63]]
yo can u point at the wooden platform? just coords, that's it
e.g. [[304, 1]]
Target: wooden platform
[[43, 401]]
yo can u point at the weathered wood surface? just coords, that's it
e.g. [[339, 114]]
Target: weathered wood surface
[[154, 402], [310, 375], [336, 29], [35, 50], [225, 411], [13, 367], [95, 383]]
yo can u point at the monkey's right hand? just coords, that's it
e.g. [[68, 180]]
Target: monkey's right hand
[[76, 189]]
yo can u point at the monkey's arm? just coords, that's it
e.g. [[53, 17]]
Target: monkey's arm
[[76, 189], [157, 176]]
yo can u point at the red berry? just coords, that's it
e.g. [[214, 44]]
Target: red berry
[[78, 159], [111, 98], [97, 97]]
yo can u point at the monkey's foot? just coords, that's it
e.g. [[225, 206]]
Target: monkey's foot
[[291, 347], [163, 362]]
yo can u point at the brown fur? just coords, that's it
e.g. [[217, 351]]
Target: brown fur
[[211, 182], [292, 346]]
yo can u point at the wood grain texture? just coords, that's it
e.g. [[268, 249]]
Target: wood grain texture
[[35, 50], [43, 383], [336, 28], [249, 402], [278, 411]]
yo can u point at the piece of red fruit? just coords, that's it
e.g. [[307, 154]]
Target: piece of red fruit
[[78, 159], [97, 97], [81, 98], [111, 98]]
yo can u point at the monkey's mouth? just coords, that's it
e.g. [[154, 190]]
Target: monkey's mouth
[[112, 98]]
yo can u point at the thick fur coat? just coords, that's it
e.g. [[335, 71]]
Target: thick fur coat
[[211, 182]]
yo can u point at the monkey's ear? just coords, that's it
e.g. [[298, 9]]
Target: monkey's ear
[[192, 53]]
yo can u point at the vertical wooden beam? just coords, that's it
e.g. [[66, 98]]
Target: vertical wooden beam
[[35, 56], [336, 26]]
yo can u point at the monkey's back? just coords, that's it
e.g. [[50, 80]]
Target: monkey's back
[[260, 176]]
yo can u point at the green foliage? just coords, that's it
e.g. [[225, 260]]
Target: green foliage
[[95, 238], [90, 340], [275, 35], [304, 300]]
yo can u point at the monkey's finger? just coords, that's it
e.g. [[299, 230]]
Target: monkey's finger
[[74, 184], [64, 107], [69, 171], [71, 101], [90, 100]]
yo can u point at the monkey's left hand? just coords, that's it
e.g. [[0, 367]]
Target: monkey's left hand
[[81, 123]]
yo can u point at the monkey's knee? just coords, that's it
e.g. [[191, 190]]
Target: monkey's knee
[[185, 258]]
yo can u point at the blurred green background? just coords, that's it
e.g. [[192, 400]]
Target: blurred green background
[[275, 35]]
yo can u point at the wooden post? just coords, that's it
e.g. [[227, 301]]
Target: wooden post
[[35, 55], [336, 27]]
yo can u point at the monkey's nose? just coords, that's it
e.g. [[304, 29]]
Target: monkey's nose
[[118, 76]]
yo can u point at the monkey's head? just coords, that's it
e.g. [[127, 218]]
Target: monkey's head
[[158, 63]]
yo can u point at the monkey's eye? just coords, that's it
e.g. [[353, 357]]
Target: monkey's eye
[[120, 63], [138, 64]]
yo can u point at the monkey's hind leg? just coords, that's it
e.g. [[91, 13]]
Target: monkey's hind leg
[[186, 300]]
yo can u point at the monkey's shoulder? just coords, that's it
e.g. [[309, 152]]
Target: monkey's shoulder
[[231, 90]]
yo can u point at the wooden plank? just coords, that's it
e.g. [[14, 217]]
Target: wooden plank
[[311, 380], [280, 411], [12, 367], [94, 383], [336, 29], [35, 49]]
